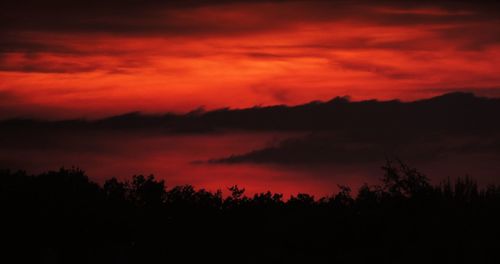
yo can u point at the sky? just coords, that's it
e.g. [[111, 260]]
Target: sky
[[308, 148], [72, 59], [92, 59]]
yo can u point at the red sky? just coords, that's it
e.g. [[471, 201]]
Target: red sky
[[92, 59]]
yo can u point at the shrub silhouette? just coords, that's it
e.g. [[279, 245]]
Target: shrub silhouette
[[63, 217]]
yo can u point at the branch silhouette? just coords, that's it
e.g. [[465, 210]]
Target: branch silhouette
[[63, 217]]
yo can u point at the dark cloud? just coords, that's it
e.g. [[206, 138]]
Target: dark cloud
[[427, 146], [353, 133], [473, 36], [115, 17], [456, 131], [202, 18], [41, 67], [378, 69], [278, 94], [17, 43], [452, 112], [493, 92], [338, 125]]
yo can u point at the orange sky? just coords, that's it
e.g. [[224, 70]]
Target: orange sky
[[87, 60]]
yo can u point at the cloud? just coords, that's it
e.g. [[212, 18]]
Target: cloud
[[452, 132], [343, 150], [459, 113], [423, 131], [222, 18], [14, 105], [43, 64], [316, 112], [378, 69], [173, 55]]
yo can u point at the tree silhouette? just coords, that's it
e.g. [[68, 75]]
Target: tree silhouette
[[63, 217]]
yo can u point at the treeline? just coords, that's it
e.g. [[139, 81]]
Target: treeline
[[63, 217]]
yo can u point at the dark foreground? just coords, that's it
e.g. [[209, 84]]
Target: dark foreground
[[62, 217]]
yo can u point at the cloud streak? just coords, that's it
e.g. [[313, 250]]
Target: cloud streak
[[158, 56]]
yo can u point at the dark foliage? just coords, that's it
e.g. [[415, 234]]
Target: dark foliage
[[62, 217]]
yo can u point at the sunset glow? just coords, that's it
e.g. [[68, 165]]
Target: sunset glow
[[163, 57]]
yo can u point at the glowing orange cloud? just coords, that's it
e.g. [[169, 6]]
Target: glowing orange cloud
[[240, 55]]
